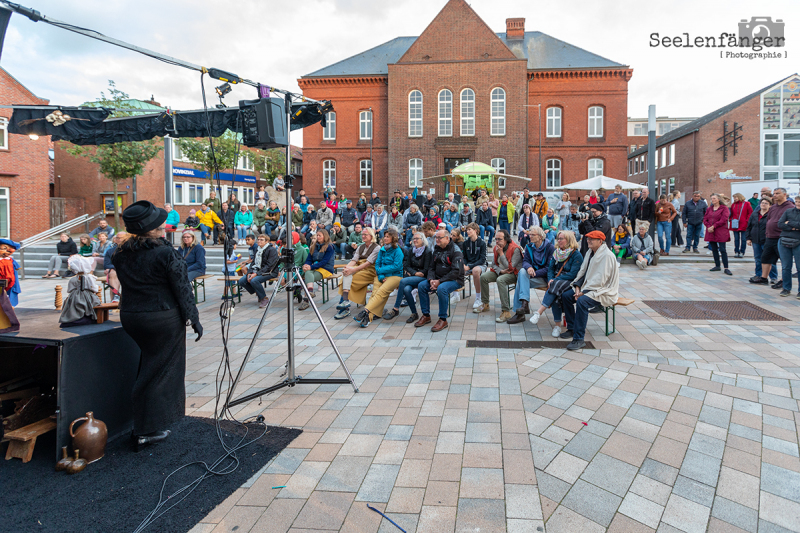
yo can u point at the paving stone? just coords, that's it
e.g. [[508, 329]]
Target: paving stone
[[484, 482], [701, 467], [565, 520], [543, 451], [647, 414], [780, 482], [779, 445], [626, 448], [694, 491], [686, 515], [641, 509], [734, 513], [707, 445], [481, 515], [566, 467], [436, 519], [345, 474], [651, 489], [659, 471], [378, 483], [715, 416], [522, 502], [779, 511], [585, 445], [551, 487], [324, 510], [592, 502], [739, 487]]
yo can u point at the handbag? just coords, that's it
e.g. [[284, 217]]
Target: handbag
[[559, 286], [790, 242]]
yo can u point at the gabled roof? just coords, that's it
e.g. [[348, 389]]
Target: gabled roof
[[541, 50], [374, 61], [546, 52], [695, 125]]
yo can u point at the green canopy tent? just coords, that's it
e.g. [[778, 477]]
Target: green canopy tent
[[473, 175]]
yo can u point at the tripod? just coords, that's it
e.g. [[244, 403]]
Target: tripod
[[294, 280]]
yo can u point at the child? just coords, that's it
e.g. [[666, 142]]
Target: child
[[232, 258], [192, 222]]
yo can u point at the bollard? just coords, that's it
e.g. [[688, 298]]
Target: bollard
[[59, 299]]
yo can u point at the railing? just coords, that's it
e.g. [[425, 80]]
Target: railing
[[39, 237]]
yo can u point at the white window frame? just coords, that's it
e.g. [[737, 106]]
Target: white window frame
[[329, 131], [415, 173], [365, 174], [177, 153], [5, 196], [671, 185], [4, 129], [178, 188], [642, 128], [329, 173], [554, 121], [630, 167], [498, 112], [554, 166], [415, 113], [499, 165], [199, 190], [245, 162], [593, 172], [365, 125], [247, 196], [445, 113], [671, 154], [467, 113], [663, 157], [596, 115]]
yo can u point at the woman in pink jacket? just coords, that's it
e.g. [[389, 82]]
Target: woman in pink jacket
[[740, 215], [717, 232]]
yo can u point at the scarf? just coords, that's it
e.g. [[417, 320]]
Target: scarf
[[561, 255], [418, 251], [257, 258], [619, 236], [394, 215]]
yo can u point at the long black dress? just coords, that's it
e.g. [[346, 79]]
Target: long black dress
[[156, 305]]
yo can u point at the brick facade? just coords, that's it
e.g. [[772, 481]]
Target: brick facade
[[456, 51], [24, 168]]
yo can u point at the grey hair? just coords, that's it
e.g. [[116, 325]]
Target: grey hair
[[536, 230], [781, 189], [420, 235]]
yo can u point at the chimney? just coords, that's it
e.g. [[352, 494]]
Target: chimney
[[515, 28], [152, 101]]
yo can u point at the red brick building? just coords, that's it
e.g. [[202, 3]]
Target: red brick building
[[25, 169], [693, 158], [416, 107]]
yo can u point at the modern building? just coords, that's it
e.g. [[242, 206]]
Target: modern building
[[754, 138], [637, 129], [526, 103]]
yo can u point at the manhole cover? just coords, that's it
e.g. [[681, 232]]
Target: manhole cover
[[522, 345], [696, 310]]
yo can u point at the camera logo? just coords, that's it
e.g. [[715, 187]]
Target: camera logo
[[767, 31]]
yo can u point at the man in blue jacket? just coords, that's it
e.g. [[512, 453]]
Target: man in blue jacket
[[533, 274], [693, 213], [616, 206]]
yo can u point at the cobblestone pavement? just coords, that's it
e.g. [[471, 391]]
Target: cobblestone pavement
[[668, 425]]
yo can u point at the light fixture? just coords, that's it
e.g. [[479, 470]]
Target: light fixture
[[223, 89], [33, 137]]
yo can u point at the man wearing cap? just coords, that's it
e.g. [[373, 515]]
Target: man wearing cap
[[349, 217], [156, 306], [9, 295], [597, 221], [597, 284]]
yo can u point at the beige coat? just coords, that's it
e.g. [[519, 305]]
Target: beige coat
[[602, 278]]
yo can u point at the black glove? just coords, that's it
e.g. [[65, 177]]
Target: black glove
[[198, 329]]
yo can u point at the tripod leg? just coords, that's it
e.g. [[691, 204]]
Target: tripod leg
[[330, 338]]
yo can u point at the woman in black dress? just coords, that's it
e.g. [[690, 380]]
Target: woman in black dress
[[156, 306]]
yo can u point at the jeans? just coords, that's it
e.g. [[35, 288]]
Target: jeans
[[407, 285], [241, 230], [342, 249], [739, 242], [665, 234], [268, 227], [553, 303], [523, 289], [615, 220], [503, 224], [485, 230], [254, 286], [409, 235], [205, 231], [757, 251], [577, 316], [443, 292], [693, 234], [677, 236], [551, 236], [788, 256], [719, 249]]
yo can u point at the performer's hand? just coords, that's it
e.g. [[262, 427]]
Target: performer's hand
[[198, 329]]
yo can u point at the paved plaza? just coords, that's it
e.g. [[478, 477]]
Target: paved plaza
[[668, 425]]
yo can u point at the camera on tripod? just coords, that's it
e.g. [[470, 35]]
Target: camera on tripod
[[767, 31]]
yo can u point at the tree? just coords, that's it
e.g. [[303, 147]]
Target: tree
[[268, 163], [118, 161]]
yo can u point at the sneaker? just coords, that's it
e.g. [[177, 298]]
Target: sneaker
[[115, 299], [504, 316], [784, 292], [342, 313], [566, 334], [390, 314], [263, 303], [305, 305], [413, 318], [343, 305], [641, 263], [414, 294], [365, 321], [715, 269], [778, 284], [556, 331], [535, 317], [312, 294], [758, 280], [360, 316], [576, 345], [686, 250], [477, 304], [728, 272], [695, 251], [483, 307]]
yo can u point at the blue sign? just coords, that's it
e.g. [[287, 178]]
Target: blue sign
[[223, 176]]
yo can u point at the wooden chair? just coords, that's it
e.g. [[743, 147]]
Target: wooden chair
[[233, 285], [22, 440], [102, 311], [624, 302]]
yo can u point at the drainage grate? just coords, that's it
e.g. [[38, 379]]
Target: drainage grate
[[696, 310], [522, 345]]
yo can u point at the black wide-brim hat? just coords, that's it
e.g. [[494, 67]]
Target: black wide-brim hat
[[142, 216]]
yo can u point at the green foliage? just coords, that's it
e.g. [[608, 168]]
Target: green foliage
[[268, 163], [119, 161]]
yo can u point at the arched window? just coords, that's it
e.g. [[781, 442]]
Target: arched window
[[595, 167], [365, 174], [415, 114], [498, 111], [415, 173], [554, 122], [365, 125], [595, 121], [467, 112], [329, 132], [445, 113], [499, 165], [553, 173], [329, 173]]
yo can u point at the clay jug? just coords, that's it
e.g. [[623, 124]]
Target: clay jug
[[91, 437], [65, 461], [77, 465]]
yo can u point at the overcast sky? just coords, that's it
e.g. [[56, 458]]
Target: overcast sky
[[277, 42]]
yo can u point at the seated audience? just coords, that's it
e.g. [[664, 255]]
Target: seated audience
[[527, 220], [622, 243], [99, 248], [412, 222], [102, 227], [642, 247], [358, 274], [474, 250], [209, 221], [191, 221], [484, 220], [194, 254], [535, 259], [550, 224], [389, 274], [503, 272], [354, 241], [263, 268], [416, 263], [338, 239], [243, 221], [273, 218], [64, 248], [563, 268], [445, 275], [85, 245], [308, 215]]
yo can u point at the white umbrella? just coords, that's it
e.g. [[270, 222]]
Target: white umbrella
[[601, 182]]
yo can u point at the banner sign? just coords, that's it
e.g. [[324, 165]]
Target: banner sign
[[223, 176]]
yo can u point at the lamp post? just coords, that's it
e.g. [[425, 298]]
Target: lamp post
[[540, 140], [371, 164], [651, 150]]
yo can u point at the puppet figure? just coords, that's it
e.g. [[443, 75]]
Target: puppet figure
[[79, 307], [10, 286]]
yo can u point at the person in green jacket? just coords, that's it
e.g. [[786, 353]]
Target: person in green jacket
[[213, 202], [354, 241], [297, 216], [259, 218], [338, 239], [273, 217], [243, 220], [86, 248]]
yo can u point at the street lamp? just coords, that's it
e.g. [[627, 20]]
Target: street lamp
[[371, 164], [540, 140]]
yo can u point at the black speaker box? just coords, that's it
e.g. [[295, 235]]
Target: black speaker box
[[264, 123]]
